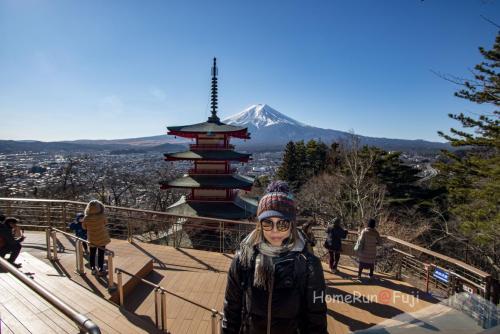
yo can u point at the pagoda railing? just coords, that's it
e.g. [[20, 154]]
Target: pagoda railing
[[422, 267], [194, 171], [190, 197], [211, 147]]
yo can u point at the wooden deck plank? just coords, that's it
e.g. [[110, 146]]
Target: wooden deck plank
[[11, 321], [36, 305], [86, 302], [30, 320], [202, 276]]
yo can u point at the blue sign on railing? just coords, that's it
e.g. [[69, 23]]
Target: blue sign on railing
[[441, 275]]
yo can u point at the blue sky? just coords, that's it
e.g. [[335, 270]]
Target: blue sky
[[120, 69]]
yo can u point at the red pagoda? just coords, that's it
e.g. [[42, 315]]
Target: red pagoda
[[213, 183]]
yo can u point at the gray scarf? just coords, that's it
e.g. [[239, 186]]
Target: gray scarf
[[264, 266]]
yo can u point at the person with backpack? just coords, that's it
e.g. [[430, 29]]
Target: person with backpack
[[333, 243], [366, 247], [274, 284], [95, 224], [76, 225]]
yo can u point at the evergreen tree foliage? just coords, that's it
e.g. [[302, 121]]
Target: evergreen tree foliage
[[301, 161], [472, 176], [289, 169], [316, 156]]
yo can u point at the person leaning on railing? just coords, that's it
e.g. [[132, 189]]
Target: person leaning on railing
[[10, 239], [274, 284], [95, 224], [76, 225]]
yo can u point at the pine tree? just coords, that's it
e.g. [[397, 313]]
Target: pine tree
[[472, 176], [316, 157], [301, 161], [289, 169]]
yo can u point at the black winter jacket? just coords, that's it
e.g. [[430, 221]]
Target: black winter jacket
[[297, 302], [7, 236], [334, 236]]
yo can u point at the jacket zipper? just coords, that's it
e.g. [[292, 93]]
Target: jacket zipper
[[269, 305], [270, 298]]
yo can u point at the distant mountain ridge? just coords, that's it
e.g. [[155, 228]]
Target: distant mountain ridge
[[13, 146], [270, 131]]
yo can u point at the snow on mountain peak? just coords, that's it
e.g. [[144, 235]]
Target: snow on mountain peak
[[260, 115]]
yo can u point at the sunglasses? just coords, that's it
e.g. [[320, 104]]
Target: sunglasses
[[282, 225]]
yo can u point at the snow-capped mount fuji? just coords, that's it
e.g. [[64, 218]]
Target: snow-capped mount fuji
[[271, 130], [261, 115]]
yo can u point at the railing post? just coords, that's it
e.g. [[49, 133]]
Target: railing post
[[164, 311], [120, 286], [174, 229], [80, 269], [157, 309], [223, 238], [47, 241], [49, 214], [64, 216], [111, 269], [214, 321], [427, 274], [129, 231], [220, 237], [54, 245]]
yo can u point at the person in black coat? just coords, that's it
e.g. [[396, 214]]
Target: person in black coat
[[333, 243], [274, 284], [9, 244]]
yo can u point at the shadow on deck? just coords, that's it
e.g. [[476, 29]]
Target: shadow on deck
[[201, 277]]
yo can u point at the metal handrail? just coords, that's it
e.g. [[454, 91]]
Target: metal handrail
[[80, 268], [172, 228], [161, 311], [109, 251], [82, 321], [165, 214]]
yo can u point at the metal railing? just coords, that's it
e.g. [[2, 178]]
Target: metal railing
[[83, 322], [211, 234], [51, 235], [225, 235], [195, 171], [160, 303], [211, 147], [409, 261]]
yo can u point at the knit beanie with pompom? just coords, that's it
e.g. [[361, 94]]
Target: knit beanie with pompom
[[277, 202]]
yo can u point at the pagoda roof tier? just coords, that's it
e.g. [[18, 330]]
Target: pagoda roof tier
[[243, 208], [220, 155], [209, 127], [231, 181]]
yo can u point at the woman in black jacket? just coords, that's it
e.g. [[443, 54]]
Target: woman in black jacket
[[274, 284], [334, 235]]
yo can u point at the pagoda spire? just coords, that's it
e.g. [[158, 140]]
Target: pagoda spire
[[213, 103]]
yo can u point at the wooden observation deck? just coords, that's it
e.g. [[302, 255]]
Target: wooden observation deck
[[193, 280]]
